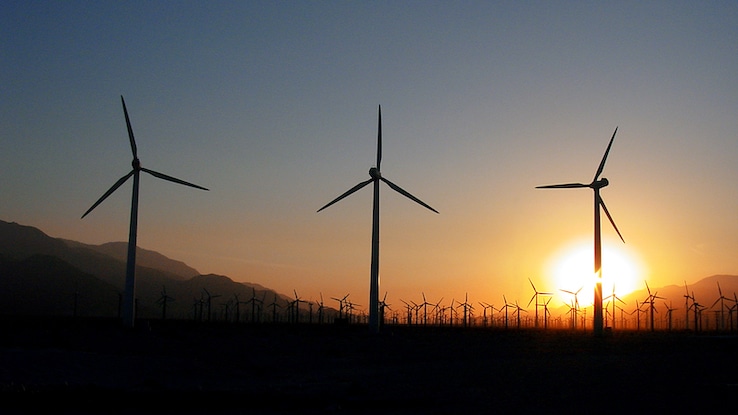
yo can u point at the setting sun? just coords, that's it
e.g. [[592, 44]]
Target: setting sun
[[572, 268]]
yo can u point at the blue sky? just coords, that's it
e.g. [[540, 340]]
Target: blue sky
[[273, 106]]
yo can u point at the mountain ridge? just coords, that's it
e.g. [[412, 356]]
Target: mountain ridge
[[31, 261]]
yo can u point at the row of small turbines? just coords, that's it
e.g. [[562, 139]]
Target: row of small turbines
[[509, 314], [129, 304]]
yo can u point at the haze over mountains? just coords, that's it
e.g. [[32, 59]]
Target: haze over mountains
[[41, 275]]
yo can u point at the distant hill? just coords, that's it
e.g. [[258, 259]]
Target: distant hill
[[145, 258], [705, 292], [42, 275], [43, 285]]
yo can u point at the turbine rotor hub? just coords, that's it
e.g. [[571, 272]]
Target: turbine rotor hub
[[136, 163], [374, 172], [599, 184]]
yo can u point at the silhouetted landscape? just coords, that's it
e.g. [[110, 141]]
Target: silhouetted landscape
[[62, 339]]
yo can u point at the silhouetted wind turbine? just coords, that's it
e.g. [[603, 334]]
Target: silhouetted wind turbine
[[650, 300], [320, 309], [382, 306], [721, 300], [535, 297], [546, 313], [506, 306], [425, 305], [376, 177], [613, 298], [595, 185], [467, 310], [732, 309], [687, 307], [129, 306], [341, 305], [485, 306], [274, 306], [162, 301], [669, 310], [409, 309], [574, 305]]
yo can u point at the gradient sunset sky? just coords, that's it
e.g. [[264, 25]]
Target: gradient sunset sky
[[273, 107]]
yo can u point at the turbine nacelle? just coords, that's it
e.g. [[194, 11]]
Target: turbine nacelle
[[374, 172], [599, 184], [136, 163]]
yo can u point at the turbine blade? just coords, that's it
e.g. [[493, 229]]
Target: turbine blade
[[602, 203], [109, 192], [348, 192], [379, 138], [406, 194], [172, 179], [130, 130], [563, 186], [604, 158]]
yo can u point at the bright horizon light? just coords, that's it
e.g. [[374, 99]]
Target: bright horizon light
[[572, 268]]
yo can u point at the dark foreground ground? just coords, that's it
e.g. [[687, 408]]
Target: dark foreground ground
[[184, 367]]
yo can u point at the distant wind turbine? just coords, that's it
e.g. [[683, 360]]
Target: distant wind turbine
[[376, 177], [595, 185], [163, 300], [721, 300], [650, 300], [535, 297], [129, 306], [614, 298], [574, 305]]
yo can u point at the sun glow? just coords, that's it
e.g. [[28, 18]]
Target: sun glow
[[572, 269]]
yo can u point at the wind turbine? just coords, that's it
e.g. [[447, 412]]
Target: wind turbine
[[341, 305], [129, 306], [614, 298], [650, 300], [506, 306], [320, 309], [409, 309], [574, 305], [535, 297], [425, 305], [382, 306], [485, 306], [595, 185], [669, 310], [721, 300], [162, 301], [687, 307], [274, 306], [376, 177], [546, 313], [467, 310]]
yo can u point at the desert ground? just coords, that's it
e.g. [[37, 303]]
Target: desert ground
[[98, 366]]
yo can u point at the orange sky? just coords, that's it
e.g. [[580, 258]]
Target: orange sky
[[273, 108]]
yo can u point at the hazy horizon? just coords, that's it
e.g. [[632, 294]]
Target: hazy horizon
[[273, 107]]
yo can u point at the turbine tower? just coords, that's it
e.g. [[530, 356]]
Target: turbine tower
[[375, 177], [595, 185], [129, 304]]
